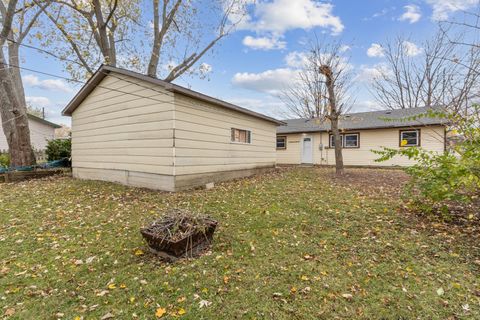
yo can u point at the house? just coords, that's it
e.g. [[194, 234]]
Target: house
[[309, 141], [41, 131], [141, 131]]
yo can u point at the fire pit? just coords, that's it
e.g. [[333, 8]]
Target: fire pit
[[179, 234]]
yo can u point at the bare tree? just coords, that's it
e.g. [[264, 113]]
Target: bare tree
[[120, 33], [18, 18], [436, 74], [321, 91]]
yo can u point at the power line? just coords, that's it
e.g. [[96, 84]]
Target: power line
[[85, 82], [45, 51]]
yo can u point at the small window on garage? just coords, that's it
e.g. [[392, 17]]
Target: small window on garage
[[241, 135], [409, 138], [352, 140], [281, 142]]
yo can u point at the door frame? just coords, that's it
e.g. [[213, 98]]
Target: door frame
[[301, 149]]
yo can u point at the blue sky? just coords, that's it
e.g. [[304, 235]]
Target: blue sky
[[254, 63]]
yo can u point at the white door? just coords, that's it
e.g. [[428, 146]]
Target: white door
[[307, 150]]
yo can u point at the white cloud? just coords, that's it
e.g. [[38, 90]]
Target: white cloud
[[375, 50], [443, 8], [269, 81], [369, 73], [47, 84], [296, 59], [344, 48], [279, 16], [268, 105], [411, 49], [264, 43], [365, 105], [41, 102], [412, 13]]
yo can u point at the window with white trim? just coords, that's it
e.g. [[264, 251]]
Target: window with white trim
[[241, 136], [348, 140], [409, 138], [281, 142]]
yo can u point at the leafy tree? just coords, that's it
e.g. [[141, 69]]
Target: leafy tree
[[440, 179], [175, 33]]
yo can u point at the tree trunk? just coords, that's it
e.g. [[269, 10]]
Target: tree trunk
[[333, 116], [13, 111], [338, 146]]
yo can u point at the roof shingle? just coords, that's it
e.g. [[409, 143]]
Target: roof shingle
[[366, 120]]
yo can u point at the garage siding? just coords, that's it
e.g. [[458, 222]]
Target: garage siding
[[124, 124], [203, 139]]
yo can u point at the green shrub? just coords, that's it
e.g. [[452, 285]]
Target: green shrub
[[58, 149], [439, 180], [4, 160]]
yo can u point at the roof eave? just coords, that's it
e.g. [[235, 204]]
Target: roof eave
[[87, 88], [367, 128]]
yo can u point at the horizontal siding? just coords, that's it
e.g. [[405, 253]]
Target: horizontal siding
[[432, 139], [154, 152], [125, 128], [125, 144], [218, 168], [290, 155], [152, 134], [114, 130], [203, 139], [168, 170]]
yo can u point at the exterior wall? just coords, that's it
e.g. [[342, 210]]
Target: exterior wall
[[172, 144], [125, 137], [39, 134], [431, 138], [203, 139]]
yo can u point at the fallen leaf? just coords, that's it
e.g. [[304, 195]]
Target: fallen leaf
[[112, 286], [107, 316], [160, 312], [139, 252], [181, 311], [10, 312], [440, 291], [204, 304], [347, 296]]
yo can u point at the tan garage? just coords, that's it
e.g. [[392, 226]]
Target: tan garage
[[141, 131]]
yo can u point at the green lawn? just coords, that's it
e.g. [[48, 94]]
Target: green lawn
[[294, 244]]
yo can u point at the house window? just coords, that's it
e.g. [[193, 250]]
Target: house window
[[281, 142], [332, 140], [348, 140], [409, 138], [352, 140], [241, 136]]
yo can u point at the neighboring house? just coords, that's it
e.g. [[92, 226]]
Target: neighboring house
[[41, 131], [141, 131], [311, 142]]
